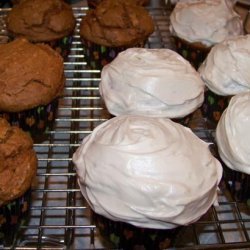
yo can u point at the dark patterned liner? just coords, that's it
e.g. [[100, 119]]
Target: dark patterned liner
[[93, 3], [62, 46], [120, 235], [238, 185], [97, 56], [12, 215], [194, 53], [213, 106], [36, 121]]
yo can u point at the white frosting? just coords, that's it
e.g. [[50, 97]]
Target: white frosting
[[151, 82], [205, 21], [149, 172], [226, 68], [232, 134]]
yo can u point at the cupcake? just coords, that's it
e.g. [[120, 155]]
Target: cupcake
[[198, 25], [47, 21], [18, 164], [151, 82], [225, 73], [93, 3], [112, 27], [31, 81], [232, 138], [146, 177]]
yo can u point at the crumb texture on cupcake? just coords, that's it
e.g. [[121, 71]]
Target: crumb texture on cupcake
[[152, 82], [41, 20], [232, 134], [30, 75], [226, 68], [116, 23], [148, 172], [18, 162], [207, 22]]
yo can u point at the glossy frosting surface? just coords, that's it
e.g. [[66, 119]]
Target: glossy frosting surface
[[152, 82], [207, 21], [226, 68], [149, 172], [232, 134]]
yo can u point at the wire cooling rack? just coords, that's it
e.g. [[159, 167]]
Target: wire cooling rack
[[59, 217]]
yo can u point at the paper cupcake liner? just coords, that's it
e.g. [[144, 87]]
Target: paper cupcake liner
[[36, 121], [12, 215], [93, 3], [120, 235], [62, 46], [97, 56], [238, 185], [194, 53], [213, 106]]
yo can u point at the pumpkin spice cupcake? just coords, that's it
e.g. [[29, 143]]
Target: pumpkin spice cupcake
[[29, 89], [112, 27]]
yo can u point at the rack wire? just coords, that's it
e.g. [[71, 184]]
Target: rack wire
[[59, 217]]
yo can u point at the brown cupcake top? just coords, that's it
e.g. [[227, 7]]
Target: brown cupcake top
[[18, 162], [41, 20], [116, 23], [30, 75]]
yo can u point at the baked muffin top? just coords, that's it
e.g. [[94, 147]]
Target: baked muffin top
[[18, 162], [116, 23], [30, 75], [41, 20]]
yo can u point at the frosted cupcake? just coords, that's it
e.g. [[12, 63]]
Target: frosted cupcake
[[225, 73], [198, 25], [147, 177], [151, 82], [112, 27], [232, 137]]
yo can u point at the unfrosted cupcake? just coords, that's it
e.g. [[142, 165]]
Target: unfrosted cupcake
[[31, 81], [112, 27], [151, 82], [47, 21], [18, 164], [232, 138], [197, 25], [147, 177], [225, 73]]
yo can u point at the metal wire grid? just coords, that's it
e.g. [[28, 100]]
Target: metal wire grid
[[59, 216]]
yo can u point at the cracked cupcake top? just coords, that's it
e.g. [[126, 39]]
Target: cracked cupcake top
[[117, 23], [18, 162], [30, 75], [41, 20]]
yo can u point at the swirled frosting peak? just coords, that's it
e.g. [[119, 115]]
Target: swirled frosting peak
[[232, 134], [226, 68], [205, 21], [149, 172], [151, 82]]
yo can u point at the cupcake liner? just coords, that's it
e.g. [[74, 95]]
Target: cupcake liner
[[93, 3], [193, 52], [213, 106], [11, 216], [62, 46], [125, 236], [97, 56], [238, 185], [35, 121]]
